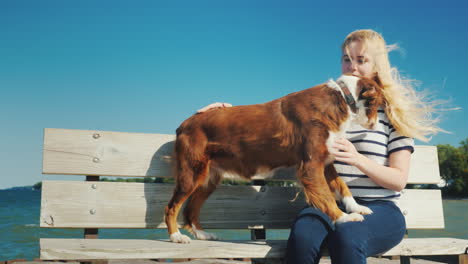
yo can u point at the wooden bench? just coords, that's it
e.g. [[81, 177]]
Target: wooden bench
[[94, 204]]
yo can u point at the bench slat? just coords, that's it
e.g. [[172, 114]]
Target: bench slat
[[69, 249], [68, 204], [103, 153], [72, 249]]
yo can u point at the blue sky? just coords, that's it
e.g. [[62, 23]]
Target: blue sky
[[145, 66]]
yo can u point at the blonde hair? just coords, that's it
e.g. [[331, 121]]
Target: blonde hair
[[410, 113]]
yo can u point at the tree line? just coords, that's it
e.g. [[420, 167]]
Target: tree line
[[453, 166]]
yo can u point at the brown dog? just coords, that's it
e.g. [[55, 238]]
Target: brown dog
[[295, 130]]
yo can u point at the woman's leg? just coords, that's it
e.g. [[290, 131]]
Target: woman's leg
[[309, 230], [353, 242]]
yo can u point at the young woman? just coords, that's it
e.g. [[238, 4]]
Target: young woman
[[374, 164]]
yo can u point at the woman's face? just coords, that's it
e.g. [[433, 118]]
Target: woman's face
[[358, 61]]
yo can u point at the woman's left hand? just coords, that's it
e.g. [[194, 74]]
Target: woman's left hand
[[344, 151]]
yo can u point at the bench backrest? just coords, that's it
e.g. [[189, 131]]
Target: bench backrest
[[94, 204]]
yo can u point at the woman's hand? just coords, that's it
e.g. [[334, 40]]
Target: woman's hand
[[213, 106], [393, 177], [344, 151]]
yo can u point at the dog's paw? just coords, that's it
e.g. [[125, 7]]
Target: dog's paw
[[179, 238], [352, 217], [353, 207], [202, 235], [364, 210], [360, 209]]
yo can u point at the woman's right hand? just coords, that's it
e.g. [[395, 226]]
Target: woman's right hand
[[213, 106]]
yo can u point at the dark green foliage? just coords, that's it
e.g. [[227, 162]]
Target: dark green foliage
[[453, 164]]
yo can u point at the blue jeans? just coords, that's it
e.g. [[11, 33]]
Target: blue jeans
[[350, 242]]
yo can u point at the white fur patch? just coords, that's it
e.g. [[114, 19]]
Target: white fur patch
[[262, 172], [177, 237], [340, 134], [228, 174], [361, 116], [351, 83], [332, 84], [265, 172], [353, 207], [353, 217], [202, 235]]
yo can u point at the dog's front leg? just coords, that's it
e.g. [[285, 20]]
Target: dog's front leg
[[342, 192], [317, 193]]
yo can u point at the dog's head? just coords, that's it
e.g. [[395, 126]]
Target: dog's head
[[369, 98]]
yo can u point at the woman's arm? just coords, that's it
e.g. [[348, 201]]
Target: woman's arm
[[393, 177]]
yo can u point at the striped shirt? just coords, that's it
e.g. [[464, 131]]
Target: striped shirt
[[376, 145]]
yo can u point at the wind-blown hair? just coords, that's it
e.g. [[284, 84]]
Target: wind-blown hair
[[409, 111]]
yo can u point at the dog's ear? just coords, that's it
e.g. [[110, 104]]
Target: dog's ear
[[368, 89], [372, 92], [377, 80], [370, 86]]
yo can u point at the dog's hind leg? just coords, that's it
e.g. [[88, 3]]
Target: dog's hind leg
[[188, 181], [181, 193], [192, 169], [194, 204], [342, 192]]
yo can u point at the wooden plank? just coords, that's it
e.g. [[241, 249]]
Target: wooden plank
[[429, 246], [424, 165], [423, 209], [68, 204], [71, 249], [103, 153]]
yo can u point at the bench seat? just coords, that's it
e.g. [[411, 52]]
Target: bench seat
[[95, 249]]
